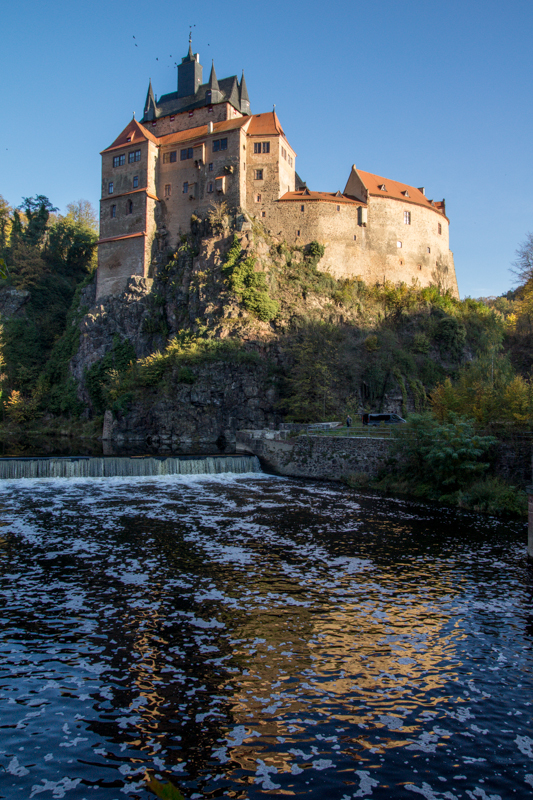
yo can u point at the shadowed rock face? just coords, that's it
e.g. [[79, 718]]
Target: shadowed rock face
[[223, 399], [12, 301]]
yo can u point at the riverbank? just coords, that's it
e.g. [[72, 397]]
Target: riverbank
[[366, 462]]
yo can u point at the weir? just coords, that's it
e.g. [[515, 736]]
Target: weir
[[124, 466]]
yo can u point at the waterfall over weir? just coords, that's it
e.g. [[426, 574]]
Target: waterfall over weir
[[124, 466]]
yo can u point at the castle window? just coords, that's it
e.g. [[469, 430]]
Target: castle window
[[220, 144], [135, 181], [210, 167], [383, 188], [338, 208], [420, 266], [407, 217], [130, 207], [284, 153], [186, 153], [302, 208], [134, 156], [186, 187], [209, 187], [266, 147], [170, 158], [263, 213], [354, 237], [440, 228], [110, 188], [429, 249], [398, 244], [258, 198], [168, 189], [297, 233], [119, 161], [258, 174], [257, 147], [113, 212]]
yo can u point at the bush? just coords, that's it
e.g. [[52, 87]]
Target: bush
[[441, 456], [249, 285], [494, 496]]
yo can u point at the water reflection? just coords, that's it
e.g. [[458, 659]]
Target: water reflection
[[243, 635]]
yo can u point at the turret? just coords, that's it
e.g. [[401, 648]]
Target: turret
[[213, 93], [189, 74], [244, 100], [150, 108]]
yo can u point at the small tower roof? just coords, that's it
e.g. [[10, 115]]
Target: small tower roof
[[213, 82], [150, 106], [243, 91]]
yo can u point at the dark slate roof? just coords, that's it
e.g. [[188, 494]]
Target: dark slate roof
[[229, 89]]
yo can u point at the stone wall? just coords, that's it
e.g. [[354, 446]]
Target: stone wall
[[323, 457], [224, 398], [369, 251]]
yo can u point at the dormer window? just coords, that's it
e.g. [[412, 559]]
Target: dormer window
[[383, 188], [406, 193]]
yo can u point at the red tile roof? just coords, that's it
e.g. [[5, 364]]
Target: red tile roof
[[132, 134], [324, 197], [265, 125], [201, 131], [397, 191]]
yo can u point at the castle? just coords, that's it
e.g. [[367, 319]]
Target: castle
[[201, 145]]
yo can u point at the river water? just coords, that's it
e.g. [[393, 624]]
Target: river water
[[250, 636]]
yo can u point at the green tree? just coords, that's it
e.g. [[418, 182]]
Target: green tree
[[83, 214], [444, 456]]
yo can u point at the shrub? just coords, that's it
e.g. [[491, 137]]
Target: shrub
[[249, 285], [441, 456]]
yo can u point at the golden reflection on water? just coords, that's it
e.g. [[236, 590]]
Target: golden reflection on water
[[362, 663]]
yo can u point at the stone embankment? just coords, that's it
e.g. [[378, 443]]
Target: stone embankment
[[314, 456]]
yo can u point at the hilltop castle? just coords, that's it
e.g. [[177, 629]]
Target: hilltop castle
[[201, 144]]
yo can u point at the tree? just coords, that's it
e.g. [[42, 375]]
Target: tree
[[37, 211], [443, 456], [5, 225], [83, 214], [523, 264]]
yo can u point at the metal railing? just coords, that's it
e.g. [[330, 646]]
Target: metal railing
[[381, 431]]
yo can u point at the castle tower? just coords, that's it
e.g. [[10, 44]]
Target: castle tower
[[189, 74]]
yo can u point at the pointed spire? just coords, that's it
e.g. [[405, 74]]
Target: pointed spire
[[244, 100], [213, 82], [190, 44], [150, 106]]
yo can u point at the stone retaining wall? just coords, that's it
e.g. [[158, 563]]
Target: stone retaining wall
[[323, 457]]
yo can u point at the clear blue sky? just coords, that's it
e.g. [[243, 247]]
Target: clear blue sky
[[431, 94]]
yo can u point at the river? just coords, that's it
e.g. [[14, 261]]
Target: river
[[247, 636]]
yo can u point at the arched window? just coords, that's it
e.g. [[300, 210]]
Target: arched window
[[130, 207]]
